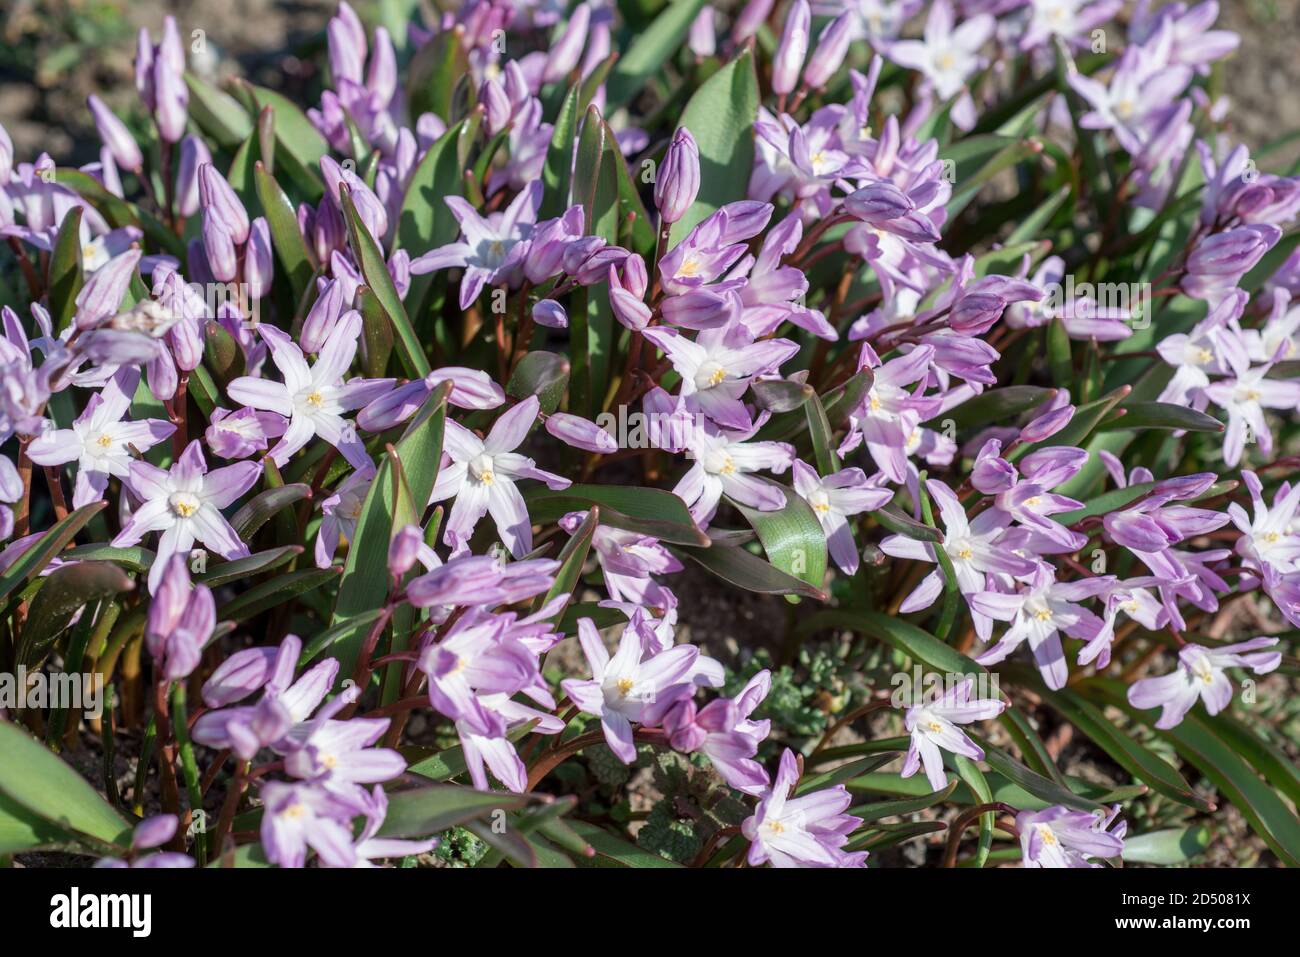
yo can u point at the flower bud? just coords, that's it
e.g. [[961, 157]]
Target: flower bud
[[580, 433], [831, 49], [258, 259], [172, 99], [750, 18], [551, 314], [564, 54], [121, 144], [219, 248], [678, 179], [703, 38], [404, 549], [218, 197], [792, 49], [1047, 424], [154, 831], [194, 156], [322, 317]]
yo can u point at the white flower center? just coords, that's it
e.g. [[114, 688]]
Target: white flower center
[[709, 374], [481, 471], [960, 549], [183, 504], [718, 462]]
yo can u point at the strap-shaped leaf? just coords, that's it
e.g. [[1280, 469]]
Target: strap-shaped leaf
[[365, 579], [39, 554], [650, 511], [33, 778], [650, 49], [721, 117], [738, 567], [375, 270], [792, 537]]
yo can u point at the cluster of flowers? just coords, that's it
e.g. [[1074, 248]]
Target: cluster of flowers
[[723, 303]]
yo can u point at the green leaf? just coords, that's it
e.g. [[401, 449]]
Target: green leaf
[[66, 274], [587, 166], [30, 563], [1060, 359], [376, 334], [843, 773], [997, 406], [819, 431], [559, 155], [240, 174], [888, 835], [1265, 756], [595, 188], [948, 611], [602, 617], [543, 374], [254, 513], [375, 270], [900, 523], [1143, 764], [447, 763], [221, 353], [294, 133], [740, 568], [1006, 156], [571, 558], [1045, 789], [357, 626], [1169, 847], [838, 403], [1197, 741], [276, 591], [649, 50], [244, 856], [425, 221], [882, 809], [62, 593], [617, 852], [433, 74], [362, 589], [1106, 502], [296, 260], [1160, 415], [33, 778], [720, 115], [1032, 225], [650, 511], [134, 558], [21, 830], [780, 395], [428, 810], [974, 779], [223, 573], [217, 113], [792, 537], [118, 212], [1031, 746], [906, 637]]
